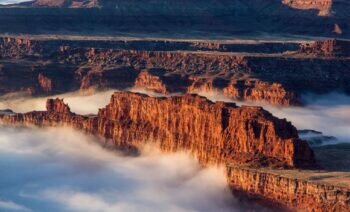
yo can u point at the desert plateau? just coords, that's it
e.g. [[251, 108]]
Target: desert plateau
[[164, 105]]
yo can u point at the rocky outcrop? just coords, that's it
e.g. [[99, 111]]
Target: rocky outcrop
[[327, 48], [215, 133], [288, 191], [45, 83], [246, 90], [51, 67], [17, 47], [150, 82], [57, 106]]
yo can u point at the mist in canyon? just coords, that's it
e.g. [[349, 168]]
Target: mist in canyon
[[60, 169], [327, 113], [79, 102], [55, 169], [323, 113]]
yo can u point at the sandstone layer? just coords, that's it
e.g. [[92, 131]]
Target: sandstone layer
[[215, 132], [293, 189], [335, 48], [276, 73]]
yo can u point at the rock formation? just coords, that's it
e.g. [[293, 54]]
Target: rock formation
[[291, 191], [244, 139], [45, 83], [214, 132], [333, 48], [276, 73], [151, 82], [246, 90]]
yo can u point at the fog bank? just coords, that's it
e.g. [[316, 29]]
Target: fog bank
[[81, 103], [60, 169], [329, 114]]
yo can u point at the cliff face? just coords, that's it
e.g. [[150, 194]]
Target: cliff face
[[335, 48], [17, 47], [214, 133], [247, 90], [45, 83], [291, 192], [151, 82], [50, 67]]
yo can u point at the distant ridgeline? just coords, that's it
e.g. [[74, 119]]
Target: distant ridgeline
[[224, 17]]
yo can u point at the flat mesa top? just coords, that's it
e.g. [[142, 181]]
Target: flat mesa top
[[332, 178]]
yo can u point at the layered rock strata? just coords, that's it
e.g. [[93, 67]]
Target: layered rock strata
[[290, 191], [328, 48], [214, 132], [50, 67]]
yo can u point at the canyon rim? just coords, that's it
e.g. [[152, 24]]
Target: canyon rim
[[162, 105]]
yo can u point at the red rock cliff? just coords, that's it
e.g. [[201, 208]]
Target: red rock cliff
[[327, 48], [214, 132], [292, 192]]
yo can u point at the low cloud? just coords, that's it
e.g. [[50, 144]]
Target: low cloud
[[12, 206], [79, 102], [60, 169], [328, 113]]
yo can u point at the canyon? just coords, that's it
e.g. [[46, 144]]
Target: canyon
[[290, 56], [251, 143], [262, 19], [273, 72]]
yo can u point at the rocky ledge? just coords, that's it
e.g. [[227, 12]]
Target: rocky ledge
[[215, 133]]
